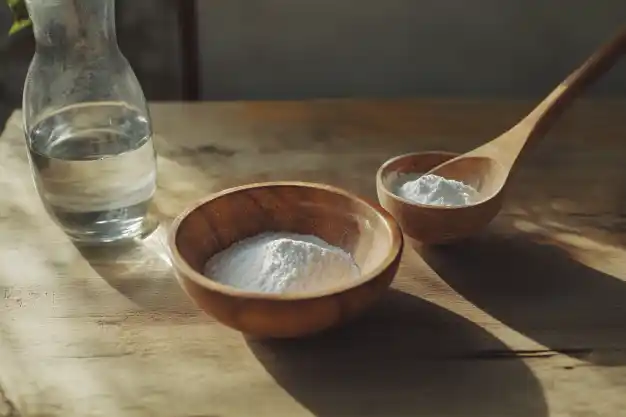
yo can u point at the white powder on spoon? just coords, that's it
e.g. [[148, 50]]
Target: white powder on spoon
[[435, 190], [276, 262]]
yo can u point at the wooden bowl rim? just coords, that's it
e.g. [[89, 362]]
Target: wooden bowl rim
[[393, 229], [380, 184]]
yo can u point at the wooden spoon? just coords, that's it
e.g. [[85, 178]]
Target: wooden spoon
[[487, 167]]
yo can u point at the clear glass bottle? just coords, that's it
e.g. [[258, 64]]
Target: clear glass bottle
[[87, 124]]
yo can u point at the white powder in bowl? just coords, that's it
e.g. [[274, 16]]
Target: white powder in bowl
[[435, 190], [277, 262]]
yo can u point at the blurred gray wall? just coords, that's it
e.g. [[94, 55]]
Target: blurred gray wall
[[478, 48], [328, 48]]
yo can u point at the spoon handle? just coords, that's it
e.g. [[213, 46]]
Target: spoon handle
[[541, 119]]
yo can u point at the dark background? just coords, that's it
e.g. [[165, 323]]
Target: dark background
[[289, 49]]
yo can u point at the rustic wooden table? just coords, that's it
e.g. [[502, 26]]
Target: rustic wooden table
[[526, 320]]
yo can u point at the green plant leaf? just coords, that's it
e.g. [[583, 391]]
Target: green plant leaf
[[20, 15], [19, 25]]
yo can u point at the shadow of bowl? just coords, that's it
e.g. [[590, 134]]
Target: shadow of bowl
[[407, 357]]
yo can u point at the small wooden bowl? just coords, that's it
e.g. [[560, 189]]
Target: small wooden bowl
[[426, 223], [367, 232]]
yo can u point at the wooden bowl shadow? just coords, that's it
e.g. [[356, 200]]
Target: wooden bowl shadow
[[407, 357], [540, 291]]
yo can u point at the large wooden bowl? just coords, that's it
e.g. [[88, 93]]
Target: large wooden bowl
[[426, 223], [366, 231]]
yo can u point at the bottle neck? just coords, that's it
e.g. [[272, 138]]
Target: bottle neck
[[72, 23]]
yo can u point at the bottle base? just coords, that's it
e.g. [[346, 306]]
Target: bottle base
[[137, 230], [106, 227]]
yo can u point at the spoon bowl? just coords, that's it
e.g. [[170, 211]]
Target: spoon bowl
[[425, 223]]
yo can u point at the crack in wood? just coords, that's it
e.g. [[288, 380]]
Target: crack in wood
[[525, 354], [617, 354]]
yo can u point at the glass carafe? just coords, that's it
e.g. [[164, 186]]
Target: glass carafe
[[87, 124]]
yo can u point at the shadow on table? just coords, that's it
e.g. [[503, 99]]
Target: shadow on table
[[407, 357], [540, 291], [141, 271]]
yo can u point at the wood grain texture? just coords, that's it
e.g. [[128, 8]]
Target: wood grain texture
[[365, 231], [527, 319]]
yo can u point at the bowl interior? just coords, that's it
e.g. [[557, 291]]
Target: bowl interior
[[330, 214]]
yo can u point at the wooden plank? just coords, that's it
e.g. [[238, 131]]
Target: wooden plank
[[526, 320]]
